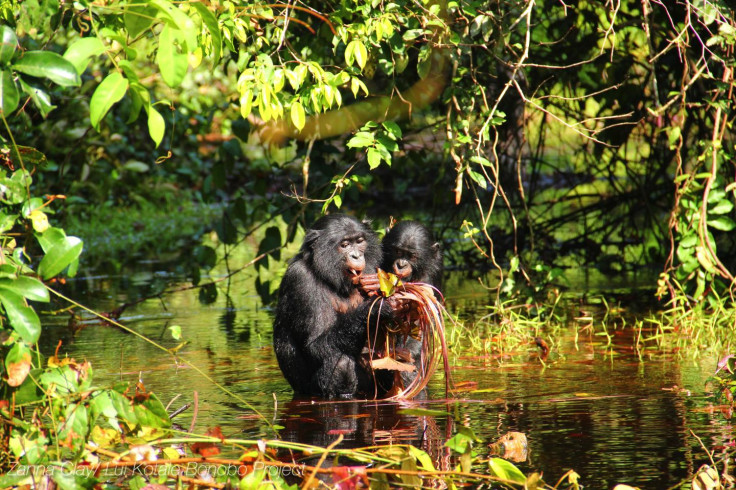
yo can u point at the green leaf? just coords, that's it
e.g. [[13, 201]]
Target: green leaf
[[171, 62], [156, 125], [424, 459], [8, 44], [138, 18], [722, 207], [177, 19], [40, 98], [80, 52], [478, 178], [506, 470], [297, 115], [723, 223], [211, 22], [9, 97], [47, 64], [361, 54], [60, 256], [424, 61], [26, 286], [361, 140], [393, 129], [151, 413], [374, 158], [22, 317], [107, 94]]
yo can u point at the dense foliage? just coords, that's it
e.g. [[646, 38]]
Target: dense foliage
[[534, 134]]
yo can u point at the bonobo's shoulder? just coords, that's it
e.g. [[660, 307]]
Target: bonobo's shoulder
[[298, 270]]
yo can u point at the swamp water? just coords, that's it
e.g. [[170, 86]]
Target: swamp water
[[594, 407]]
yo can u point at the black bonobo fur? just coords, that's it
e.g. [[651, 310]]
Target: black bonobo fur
[[410, 252], [321, 317]]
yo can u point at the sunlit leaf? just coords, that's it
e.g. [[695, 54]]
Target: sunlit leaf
[[156, 125], [374, 158], [298, 117], [171, 57], [22, 317], [506, 470], [9, 96], [60, 256], [39, 97], [80, 52], [388, 282], [138, 18], [107, 94], [26, 286], [47, 64], [8, 44], [211, 22]]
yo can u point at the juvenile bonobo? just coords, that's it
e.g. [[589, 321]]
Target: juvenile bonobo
[[321, 318], [410, 252]]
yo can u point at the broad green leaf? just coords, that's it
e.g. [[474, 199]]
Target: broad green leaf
[[47, 64], [107, 94], [211, 22], [478, 178], [424, 459], [506, 470], [60, 256], [176, 18], [138, 18], [361, 140], [297, 115], [9, 96], [8, 44], [50, 237], [374, 158], [22, 317], [393, 129], [156, 125], [80, 52], [424, 61], [724, 206], [361, 54], [171, 62], [40, 98], [152, 413], [350, 53], [723, 223], [26, 286]]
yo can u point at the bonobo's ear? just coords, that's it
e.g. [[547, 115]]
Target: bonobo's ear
[[310, 238], [436, 249]]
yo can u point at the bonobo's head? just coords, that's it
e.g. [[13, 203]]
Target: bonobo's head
[[339, 248], [410, 252]]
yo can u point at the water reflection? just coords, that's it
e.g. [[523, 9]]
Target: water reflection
[[593, 407]]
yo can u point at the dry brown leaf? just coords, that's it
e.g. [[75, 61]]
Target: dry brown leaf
[[391, 364]]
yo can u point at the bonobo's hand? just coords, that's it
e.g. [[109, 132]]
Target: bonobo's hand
[[369, 284], [401, 307]]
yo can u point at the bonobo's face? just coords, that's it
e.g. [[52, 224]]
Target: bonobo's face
[[352, 250], [404, 261]]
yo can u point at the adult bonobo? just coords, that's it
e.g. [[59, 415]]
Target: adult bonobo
[[321, 318], [410, 252]]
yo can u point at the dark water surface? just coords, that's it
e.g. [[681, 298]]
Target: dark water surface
[[594, 407]]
